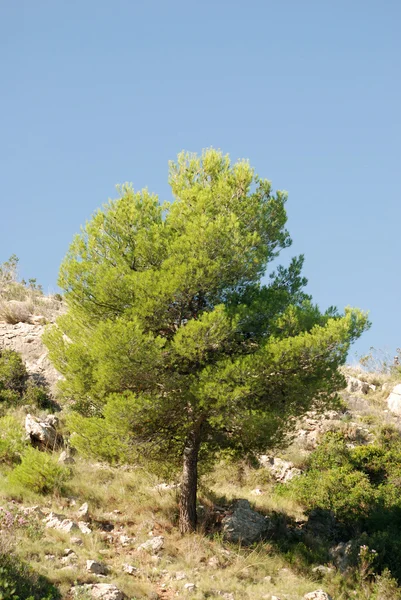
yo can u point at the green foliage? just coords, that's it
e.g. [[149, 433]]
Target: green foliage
[[19, 582], [362, 487], [39, 472], [15, 387], [12, 440], [13, 376], [165, 302], [36, 394]]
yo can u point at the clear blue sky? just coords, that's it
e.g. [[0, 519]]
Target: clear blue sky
[[96, 92]]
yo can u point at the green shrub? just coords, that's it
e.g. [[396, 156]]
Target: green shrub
[[19, 582], [348, 494], [36, 394], [12, 440], [39, 472], [13, 375]]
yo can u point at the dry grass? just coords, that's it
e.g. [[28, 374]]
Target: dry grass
[[34, 308]]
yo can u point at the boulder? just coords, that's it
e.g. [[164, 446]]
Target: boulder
[[96, 567], [341, 555], [394, 400], [98, 591], [244, 525], [43, 433]]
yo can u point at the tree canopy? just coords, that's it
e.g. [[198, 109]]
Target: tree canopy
[[172, 348]]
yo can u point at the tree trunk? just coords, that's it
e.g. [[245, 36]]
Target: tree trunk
[[189, 483]]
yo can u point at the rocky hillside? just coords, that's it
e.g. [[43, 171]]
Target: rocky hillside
[[25, 338]]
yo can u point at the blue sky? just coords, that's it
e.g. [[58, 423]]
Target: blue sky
[[96, 92]]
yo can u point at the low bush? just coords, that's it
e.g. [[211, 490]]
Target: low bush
[[16, 311], [361, 486], [13, 374], [12, 440], [19, 582], [39, 472], [37, 395]]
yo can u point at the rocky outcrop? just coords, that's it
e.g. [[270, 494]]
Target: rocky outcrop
[[394, 400], [43, 433], [282, 470], [244, 525], [25, 338], [355, 385]]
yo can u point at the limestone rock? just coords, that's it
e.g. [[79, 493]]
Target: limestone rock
[[83, 510], [65, 458], [317, 595], [99, 591], [130, 569], [282, 470], [341, 555], [189, 587], [394, 400], [153, 545], [84, 527], [322, 570], [244, 525], [55, 521], [26, 339], [43, 432], [356, 385], [96, 567]]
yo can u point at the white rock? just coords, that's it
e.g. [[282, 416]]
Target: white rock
[[65, 458], [180, 575], [317, 595], [394, 400], [256, 492], [282, 470], [77, 541], [130, 569], [43, 432], [153, 545], [190, 587], [54, 521], [356, 385], [125, 540], [84, 527], [322, 570], [213, 562], [161, 487], [99, 591], [83, 510]]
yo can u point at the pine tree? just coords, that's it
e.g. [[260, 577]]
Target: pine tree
[[171, 347]]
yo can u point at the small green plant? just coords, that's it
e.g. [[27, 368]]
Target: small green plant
[[39, 472], [13, 375], [36, 394], [19, 582], [12, 440]]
